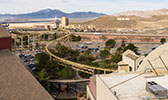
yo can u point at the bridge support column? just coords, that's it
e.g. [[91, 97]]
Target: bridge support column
[[33, 42], [22, 43], [15, 43], [75, 88], [93, 71], [50, 58], [28, 41], [104, 72], [59, 87], [67, 88]]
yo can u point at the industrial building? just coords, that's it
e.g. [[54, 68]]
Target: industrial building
[[16, 82], [149, 82]]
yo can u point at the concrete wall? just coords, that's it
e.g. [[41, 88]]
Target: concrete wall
[[103, 93], [92, 88], [153, 57], [5, 43]]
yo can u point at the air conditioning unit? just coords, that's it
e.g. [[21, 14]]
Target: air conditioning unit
[[157, 90]]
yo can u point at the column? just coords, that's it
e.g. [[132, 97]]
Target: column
[[28, 41], [22, 42]]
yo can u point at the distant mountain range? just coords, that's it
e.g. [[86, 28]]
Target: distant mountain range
[[50, 13], [147, 13]]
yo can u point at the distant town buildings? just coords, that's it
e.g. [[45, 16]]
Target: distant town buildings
[[57, 23], [122, 19], [64, 21]]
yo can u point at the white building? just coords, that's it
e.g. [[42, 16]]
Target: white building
[[134, 85], [130, 61], [64, 21], [126, 19]]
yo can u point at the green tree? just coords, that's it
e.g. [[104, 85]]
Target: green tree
[[67, 73], [43, 78], [76, 38], [163, 40], [116, 58], [110, 43], [104, 54], [43, 75], [132, 47], [66, 52], [43, 60]]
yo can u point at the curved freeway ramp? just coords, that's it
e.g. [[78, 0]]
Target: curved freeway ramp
[[79, 67]]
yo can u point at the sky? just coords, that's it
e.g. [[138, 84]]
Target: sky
[[68, 6]]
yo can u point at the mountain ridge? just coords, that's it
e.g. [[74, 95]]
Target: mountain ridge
[[51, 13]]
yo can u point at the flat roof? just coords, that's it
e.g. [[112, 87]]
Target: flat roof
[[3, 32], [132, 86], [16, 82]]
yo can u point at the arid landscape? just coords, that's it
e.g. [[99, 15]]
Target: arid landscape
[[135, 22]]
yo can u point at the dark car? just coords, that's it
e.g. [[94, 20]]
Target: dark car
[[26, 60], [21, 55], [84, 47], [32, 65]]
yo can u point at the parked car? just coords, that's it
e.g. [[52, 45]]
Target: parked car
[[32, 66], [21, 55]]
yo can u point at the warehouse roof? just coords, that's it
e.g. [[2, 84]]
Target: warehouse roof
[[16, 82], [3, 32]]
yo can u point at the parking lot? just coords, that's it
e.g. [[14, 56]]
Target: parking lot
[[28, 59]]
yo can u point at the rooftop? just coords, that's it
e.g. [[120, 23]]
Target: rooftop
[[16, 82], [131, 56], [132, 86], [4, 33]]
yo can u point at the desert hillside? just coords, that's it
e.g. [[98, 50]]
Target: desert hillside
[[110, 22], [134, 22], [147, 13]]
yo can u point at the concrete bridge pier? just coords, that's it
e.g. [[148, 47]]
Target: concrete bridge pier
[[22, 42]]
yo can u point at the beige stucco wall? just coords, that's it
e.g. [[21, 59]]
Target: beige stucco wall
[[103, 93], [123, 68], [89, 94], [130, 62], [141, 58], [153, 57]]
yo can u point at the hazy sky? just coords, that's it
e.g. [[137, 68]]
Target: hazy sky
[[104, 6]]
